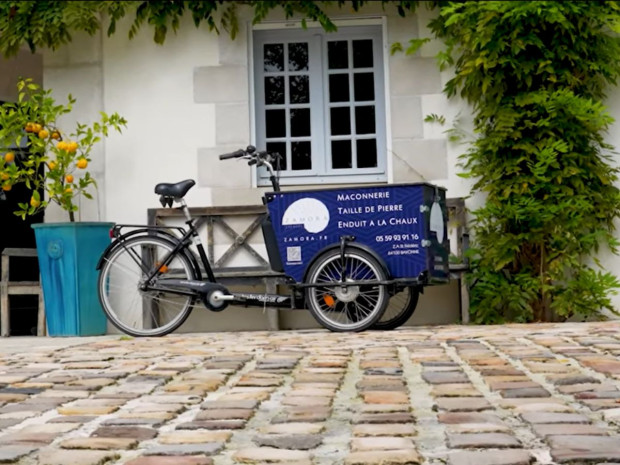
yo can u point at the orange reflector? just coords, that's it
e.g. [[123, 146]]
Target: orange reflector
[[163, 268], [329, 300]]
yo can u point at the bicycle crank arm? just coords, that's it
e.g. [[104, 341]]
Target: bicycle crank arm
[[214, 296]]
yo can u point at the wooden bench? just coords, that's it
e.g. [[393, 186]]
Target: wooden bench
[[218, 219], [8, 288]]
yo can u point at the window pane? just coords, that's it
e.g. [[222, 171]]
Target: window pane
[[298, 56], [274, 57], [341, 154], [362, 53], [338, 87], [299, 90], [301, 158], [366, 153], [300, 122], [279, 147], [364, 86], [365, 120], [274, 90], [337, 54], [340, 121], [275, 121]]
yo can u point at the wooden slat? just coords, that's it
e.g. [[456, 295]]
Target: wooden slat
[[239, 240], [18, 288], [19, 252]]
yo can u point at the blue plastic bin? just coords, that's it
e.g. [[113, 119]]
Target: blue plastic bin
[[68, 254]]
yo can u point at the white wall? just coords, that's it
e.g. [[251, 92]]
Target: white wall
[[152, 87], [76, 69]]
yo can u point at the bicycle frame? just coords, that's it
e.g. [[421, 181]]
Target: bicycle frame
[[181, 244]]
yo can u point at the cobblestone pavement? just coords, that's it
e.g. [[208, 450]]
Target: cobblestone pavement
[[460, 395]]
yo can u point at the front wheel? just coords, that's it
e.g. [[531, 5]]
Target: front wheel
[[134, 308], [354, 307]]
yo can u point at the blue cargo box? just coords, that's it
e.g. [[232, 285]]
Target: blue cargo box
[[404, 224]]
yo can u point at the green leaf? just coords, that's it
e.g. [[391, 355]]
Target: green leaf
[[415, 45]]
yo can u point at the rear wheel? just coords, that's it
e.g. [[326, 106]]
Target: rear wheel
[[127, 304], [399, 309], [355, 307]]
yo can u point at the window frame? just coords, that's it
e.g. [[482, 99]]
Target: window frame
[[317, 38]]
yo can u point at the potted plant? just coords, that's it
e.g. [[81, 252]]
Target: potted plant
[[53, 165]]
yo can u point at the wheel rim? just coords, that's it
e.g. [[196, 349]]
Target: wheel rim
[[349, 307], [132, 309]]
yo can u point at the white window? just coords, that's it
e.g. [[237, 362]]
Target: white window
[[320, 103]]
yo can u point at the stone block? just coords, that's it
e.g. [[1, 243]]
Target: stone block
[[75, 457], [419, 160], [221, 84], [289, 441], [573, 448], [232, 124], [383, 457], [212, 172], [12, 453], [479, 440], [171, 460], [270, 454], [554, 418], [491, 457], [407, 117], [414, 76]]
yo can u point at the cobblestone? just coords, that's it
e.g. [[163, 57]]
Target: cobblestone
[[498, 395]]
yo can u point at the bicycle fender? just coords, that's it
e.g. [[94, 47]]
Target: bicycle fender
[[128, 235], [350, 245], [162, 234]]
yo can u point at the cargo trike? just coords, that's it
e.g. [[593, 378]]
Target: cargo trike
[[345, 254]]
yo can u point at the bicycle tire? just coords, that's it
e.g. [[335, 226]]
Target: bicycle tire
[[358, 307], [399, 309], [122, 272]]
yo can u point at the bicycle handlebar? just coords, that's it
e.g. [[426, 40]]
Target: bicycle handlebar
[[254, 157], [236, 154]]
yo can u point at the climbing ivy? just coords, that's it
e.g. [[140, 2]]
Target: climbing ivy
[[51, 24], [535, 74]]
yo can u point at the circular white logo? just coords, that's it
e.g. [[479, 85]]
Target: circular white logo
[[312, 213], [437, 221]]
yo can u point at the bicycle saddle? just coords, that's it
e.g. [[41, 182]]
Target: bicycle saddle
[[176, 190]]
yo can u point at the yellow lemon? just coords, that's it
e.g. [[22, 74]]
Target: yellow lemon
[[56, 135], [4, 176], [9, 157], [72, 147], [6, 187], [43, 134], [62, 145], [82, 163], [51, 165], [69, 178], [34, 202]]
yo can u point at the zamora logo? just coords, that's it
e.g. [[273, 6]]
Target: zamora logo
[[311, 213]]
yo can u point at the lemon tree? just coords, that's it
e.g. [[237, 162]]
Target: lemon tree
[[44, 157]]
